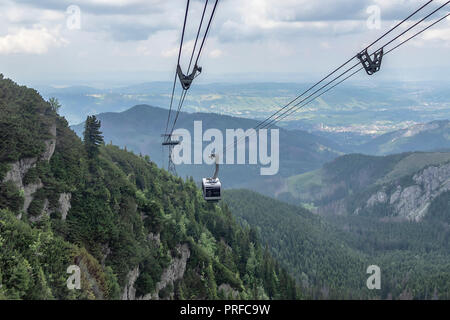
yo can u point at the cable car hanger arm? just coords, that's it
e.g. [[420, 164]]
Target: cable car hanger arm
[[186, 80]]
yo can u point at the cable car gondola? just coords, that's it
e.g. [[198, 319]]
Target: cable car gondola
[[211, 186]]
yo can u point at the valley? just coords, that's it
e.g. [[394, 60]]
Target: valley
[[309, 232], [224, 158]]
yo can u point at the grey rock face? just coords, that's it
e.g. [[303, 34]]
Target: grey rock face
[[409, 201], [396, 195], [227, 289], [20, 168], [18, 171], [174, 272], [129, 292], [50, 145], [379, 197], [412, 202], [64, 204], [156, 238], [29, 190]]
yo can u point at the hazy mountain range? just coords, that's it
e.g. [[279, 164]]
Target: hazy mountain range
[[420, 137], [140, 128], [348, 111]]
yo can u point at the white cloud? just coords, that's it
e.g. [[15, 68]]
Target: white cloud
[[169, 53], [30, 41], [19, 15], [439, 34], [247, 36], [216, 53]]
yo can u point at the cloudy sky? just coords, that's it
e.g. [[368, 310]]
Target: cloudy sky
[[129, 41]]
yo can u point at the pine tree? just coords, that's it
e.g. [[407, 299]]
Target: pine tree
[[54, 103], [92, 136]]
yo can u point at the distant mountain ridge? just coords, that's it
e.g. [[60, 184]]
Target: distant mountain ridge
[[420, 137], [140, 128]]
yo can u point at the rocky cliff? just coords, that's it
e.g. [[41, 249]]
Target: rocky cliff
[[19, 170], [411, 201], [402, 185]]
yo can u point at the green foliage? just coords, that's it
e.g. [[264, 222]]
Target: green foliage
[[25, 119], [54, 104], [113, 288], [10, 196], [4, 168], [439, 209], [33, 262], [37, 204], [92, 136], [302, 242], [32, 176], [125, 213]]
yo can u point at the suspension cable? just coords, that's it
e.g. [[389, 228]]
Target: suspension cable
[[344, 64], [179, 57], [207, 31], [183, 94], [284, 115], [387, 52], [198, 33], [386, 44]]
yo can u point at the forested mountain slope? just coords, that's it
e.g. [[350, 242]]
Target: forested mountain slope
[[307, 246], [330, 256], [133, 230], [407, 186]]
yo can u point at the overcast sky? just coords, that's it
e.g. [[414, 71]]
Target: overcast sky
[[131, 41]]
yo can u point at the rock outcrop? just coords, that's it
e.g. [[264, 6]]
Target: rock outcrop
[[411, 202], [172, 273], [156, 238], [18, 171], [379, 197], [64, 204], [129, 291], [50, 145], [29, 190], [20, 168], [227, 290], [175, 271]]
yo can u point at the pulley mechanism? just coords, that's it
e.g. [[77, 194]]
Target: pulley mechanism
[[186, 80], [371, 65]]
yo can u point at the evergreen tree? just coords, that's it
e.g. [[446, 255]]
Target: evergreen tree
[[54, 103], [92, 136]]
